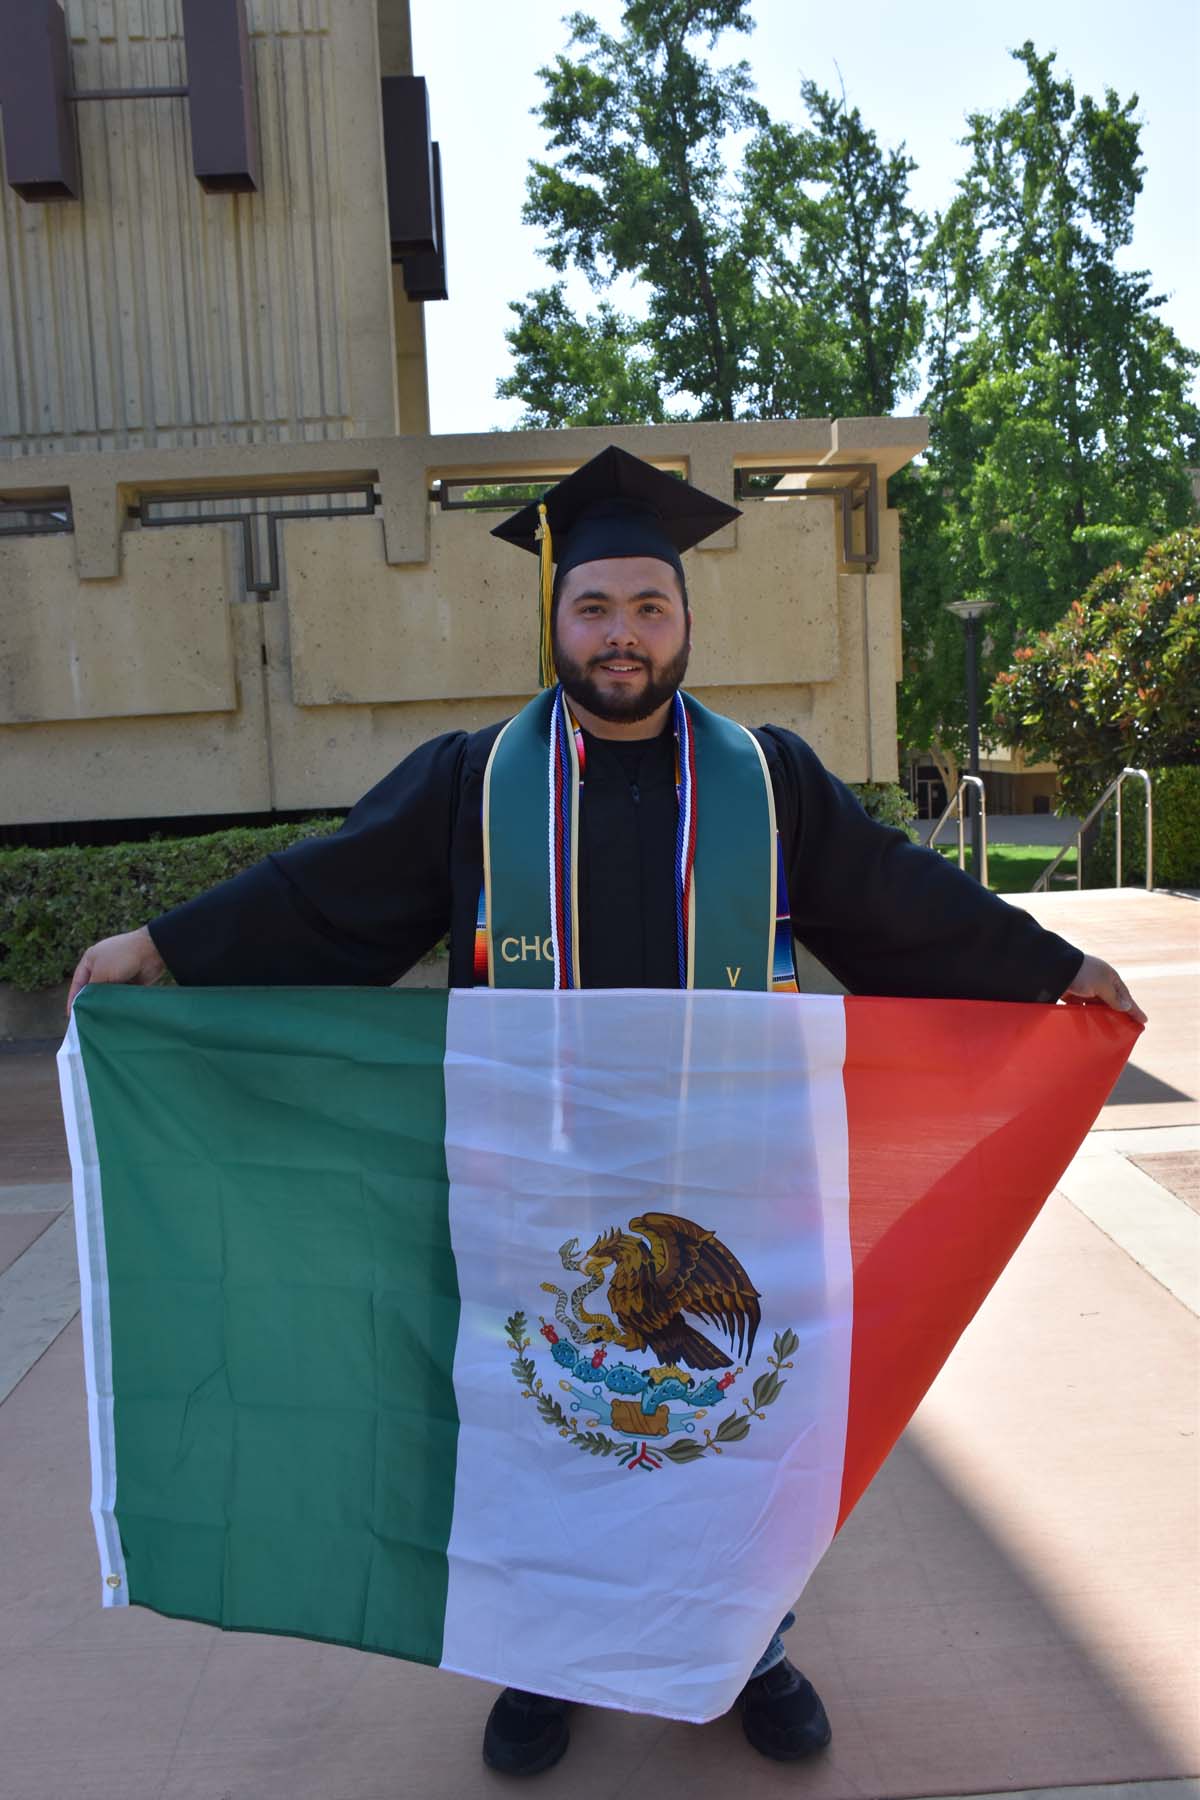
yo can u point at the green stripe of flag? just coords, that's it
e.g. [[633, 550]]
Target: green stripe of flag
[[283, 1305]]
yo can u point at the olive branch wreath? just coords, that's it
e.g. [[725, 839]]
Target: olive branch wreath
[[730, 1430]]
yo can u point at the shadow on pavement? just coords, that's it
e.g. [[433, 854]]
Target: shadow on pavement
[[1137, 1087], [945, 1668]]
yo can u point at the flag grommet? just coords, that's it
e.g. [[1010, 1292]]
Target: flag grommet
[[113, 1581]]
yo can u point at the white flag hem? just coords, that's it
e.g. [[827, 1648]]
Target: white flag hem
[[94, 1315], [602, 1698]]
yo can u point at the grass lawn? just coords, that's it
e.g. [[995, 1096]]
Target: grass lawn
[[1013, 868]]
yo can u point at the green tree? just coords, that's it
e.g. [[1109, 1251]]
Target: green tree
[[1117, 679], [1062, 429], [931, 704], [639, 124], [598, 370], [836, 251], [787, 290]]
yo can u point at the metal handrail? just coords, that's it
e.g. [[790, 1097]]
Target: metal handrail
[[1042, 884], [956, 802]]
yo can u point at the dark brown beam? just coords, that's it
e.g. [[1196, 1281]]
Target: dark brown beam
[[408, 164], [221, 105], [146, 93], [41, 155], [425, 274]]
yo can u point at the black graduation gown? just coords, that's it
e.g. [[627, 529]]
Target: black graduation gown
[[363, 905]]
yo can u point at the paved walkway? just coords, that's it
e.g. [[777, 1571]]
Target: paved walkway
[[1154, 939], [1012, 1607]]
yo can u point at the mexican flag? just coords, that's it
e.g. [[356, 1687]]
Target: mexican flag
[[545, 1337]]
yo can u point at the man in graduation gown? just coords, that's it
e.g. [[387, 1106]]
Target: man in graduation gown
[[412, 864]]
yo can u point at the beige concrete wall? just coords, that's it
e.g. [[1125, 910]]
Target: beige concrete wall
[[412, 370], [389, 629], [149, 767], [156, 340], [157, 639], [151, 313], [463, 625]]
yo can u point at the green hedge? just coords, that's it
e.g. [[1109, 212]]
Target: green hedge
[[887, 802], [1176, 795], [54, 903]]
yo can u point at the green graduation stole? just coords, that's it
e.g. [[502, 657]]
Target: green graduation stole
[[729, 928]]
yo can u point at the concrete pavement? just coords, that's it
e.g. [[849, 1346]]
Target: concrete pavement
[[1154, 939], [1137, 1176], [1011, 1609]]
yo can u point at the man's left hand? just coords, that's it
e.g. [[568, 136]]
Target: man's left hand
[[1098, 984]]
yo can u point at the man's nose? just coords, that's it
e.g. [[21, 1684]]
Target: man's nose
[[621, 630]]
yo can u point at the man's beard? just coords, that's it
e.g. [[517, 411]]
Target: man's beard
[[619, 707]]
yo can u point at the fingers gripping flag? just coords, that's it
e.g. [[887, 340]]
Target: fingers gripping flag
[[545, 1337]]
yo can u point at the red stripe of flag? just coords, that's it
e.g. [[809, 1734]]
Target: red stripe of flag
[[960, 1123]]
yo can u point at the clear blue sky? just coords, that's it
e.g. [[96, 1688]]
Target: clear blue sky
[[914, 72]]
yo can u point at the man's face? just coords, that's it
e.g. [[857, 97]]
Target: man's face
[[621, 637]]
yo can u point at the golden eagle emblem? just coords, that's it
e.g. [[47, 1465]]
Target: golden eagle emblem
[[680, 1268], [661, 1274]]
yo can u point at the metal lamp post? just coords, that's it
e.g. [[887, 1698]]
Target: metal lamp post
[[970, 612]]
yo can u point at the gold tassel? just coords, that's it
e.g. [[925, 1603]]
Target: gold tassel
[[547, 674]]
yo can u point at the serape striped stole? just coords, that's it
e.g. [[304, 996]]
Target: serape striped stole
[[732, 919]]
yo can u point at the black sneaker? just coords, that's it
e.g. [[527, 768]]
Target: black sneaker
[[525, 1733], [782, 1714]]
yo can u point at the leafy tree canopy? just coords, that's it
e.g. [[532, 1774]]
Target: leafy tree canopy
[[1060, 398], [1117, 680], [835, 249], [598, 370], [1062, 429], [789, 290], [783, 272]]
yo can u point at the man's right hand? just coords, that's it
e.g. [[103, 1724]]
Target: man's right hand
[[129, 957]]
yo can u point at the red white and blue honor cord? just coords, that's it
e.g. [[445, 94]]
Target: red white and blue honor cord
[[567, 767], [685, 837]]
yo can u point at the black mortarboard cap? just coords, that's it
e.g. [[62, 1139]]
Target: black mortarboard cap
[[615, 505]]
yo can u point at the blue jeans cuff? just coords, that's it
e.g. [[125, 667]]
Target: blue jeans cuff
[[774, 1652]]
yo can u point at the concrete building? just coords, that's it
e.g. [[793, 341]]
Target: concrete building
[[237, 573], [1014, 785]]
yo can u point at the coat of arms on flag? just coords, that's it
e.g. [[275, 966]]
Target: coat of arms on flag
[[662, 1269], [357, 1262]]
